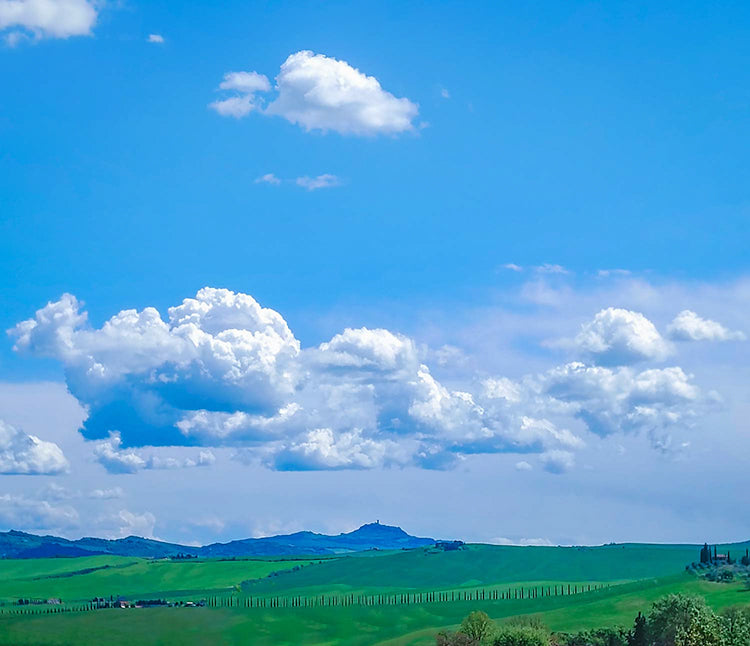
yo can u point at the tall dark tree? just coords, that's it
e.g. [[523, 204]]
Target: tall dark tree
[[638, 636], [705, 553]]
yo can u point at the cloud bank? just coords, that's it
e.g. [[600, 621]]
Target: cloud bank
[[223, 371], [317, 92]]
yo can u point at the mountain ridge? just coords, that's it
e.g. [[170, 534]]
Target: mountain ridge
[[20, 545]]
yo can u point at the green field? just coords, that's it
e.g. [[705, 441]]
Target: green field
[[635, 575], [79, 579]]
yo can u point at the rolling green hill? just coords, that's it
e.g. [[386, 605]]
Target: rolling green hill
[[414, 625], [484, 565], [634, 574], [77, 579]]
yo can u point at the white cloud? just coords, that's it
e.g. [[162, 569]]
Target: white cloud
[[523, 466], [557, 461], [445, 93], [246, 85], [109, 454], [688, 326], [321, 181], [323, 449], [321, 93], [112, 493], [47, 18], [56, 492], [126, 523], [549, 268], [622, 400], [221, 371], [268, 178], [621, 337], [522, 542], [20, 511], [246, 82], [113, 458], [155, 38], [513, 267], [235, 106], [27, 454]]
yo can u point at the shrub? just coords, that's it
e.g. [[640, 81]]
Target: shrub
[[736, 626], [454, 639], [600, 637], [678, 620], [477, 626], [520, 636]]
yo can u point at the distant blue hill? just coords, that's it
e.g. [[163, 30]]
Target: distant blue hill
[[20, 545]]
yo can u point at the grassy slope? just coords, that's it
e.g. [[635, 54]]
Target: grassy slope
[[355, 626], [481, 565], [41, 578]]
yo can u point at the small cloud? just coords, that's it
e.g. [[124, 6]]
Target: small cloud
[[522, 542], [268, 178], [24, 454], [618, 336], [523, 466], [236, 106], [248, 82], [107, 494], [548, 268], [317, 92], [445, 94], [688, 326], [321, 181], [155, 38], [512, 267], [606, 273], [557, 461]]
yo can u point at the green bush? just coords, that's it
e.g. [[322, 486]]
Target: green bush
[[679, 620], [736, 626], [599, 637], [477, 625], [509, 635], [454, 639]]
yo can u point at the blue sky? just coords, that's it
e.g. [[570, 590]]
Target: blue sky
[[567, 139]]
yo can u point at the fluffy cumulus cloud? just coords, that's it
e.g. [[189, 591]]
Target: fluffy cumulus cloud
[[688, 326], [318, 92], [221, 371], [624, 400], [46, 18], [621, 337], [219, 351], [27, 454]]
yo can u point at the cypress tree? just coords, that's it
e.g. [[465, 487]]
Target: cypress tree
[[638, 636]]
